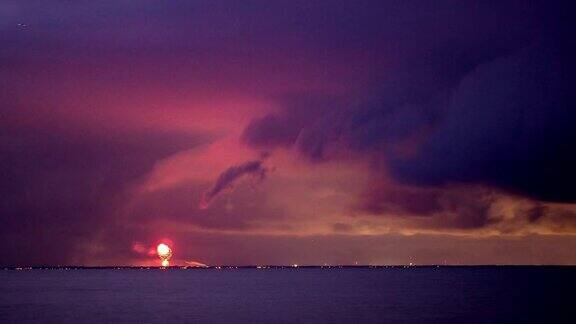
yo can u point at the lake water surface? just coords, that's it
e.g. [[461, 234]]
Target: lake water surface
[[303, 295]]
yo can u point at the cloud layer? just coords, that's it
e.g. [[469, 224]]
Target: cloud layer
[[398, 131]]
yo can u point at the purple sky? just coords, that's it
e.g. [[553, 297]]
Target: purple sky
[[282, 132]]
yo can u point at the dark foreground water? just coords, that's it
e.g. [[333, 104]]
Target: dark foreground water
[[468, 294]]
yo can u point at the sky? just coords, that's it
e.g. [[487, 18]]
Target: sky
[[286, 132]]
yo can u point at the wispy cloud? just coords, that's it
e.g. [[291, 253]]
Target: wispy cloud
[[229, 176]]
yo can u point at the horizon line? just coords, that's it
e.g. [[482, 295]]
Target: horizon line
[[261, 267]]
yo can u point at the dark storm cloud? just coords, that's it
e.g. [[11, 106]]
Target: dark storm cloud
[[227, 178], [473, 111], [508, 124]]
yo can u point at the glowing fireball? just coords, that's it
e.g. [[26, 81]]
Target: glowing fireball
[[164, 253]]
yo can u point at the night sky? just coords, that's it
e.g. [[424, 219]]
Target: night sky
[[287, 132]]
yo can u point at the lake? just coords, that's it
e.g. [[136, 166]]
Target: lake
[[299, 295]]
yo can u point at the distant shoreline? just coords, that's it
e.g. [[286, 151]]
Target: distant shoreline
[[276, 267]]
